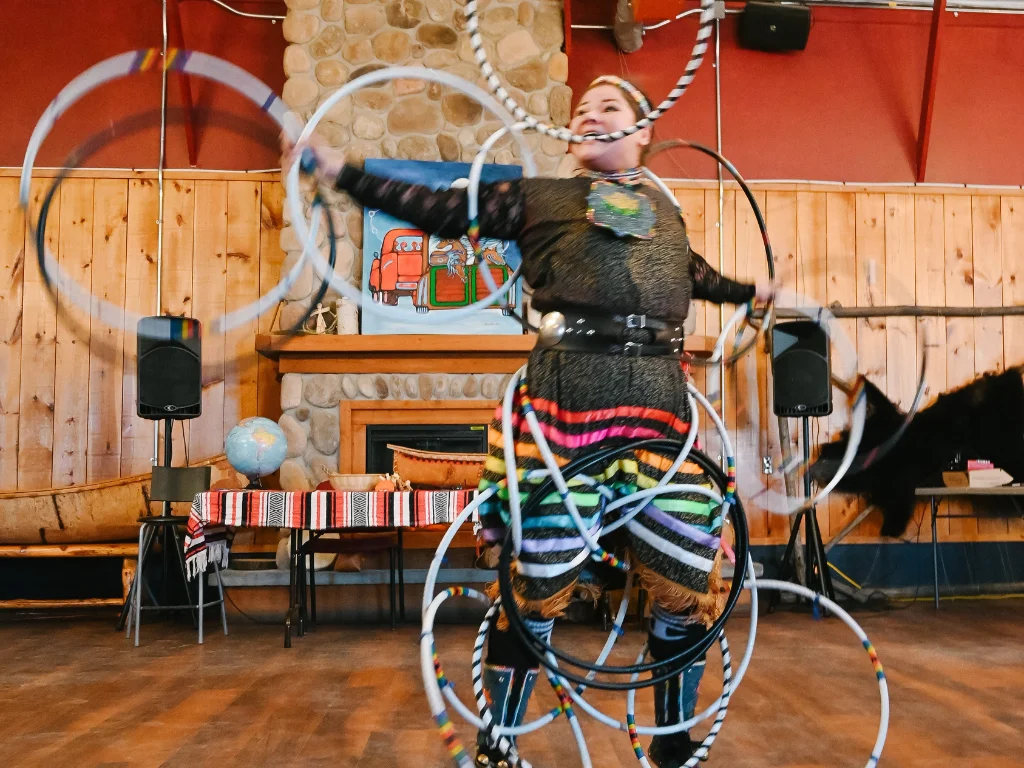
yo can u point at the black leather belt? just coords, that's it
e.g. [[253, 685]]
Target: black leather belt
[[640, 335]]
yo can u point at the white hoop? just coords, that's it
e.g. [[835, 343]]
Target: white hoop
[[779, 503], [883, 686], [123, 65], [473, 198], [345, 288], [438, 689]]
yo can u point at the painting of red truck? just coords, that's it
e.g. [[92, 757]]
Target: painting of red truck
[[436, 273], [405, 266]]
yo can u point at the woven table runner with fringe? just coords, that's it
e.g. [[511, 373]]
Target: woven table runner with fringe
[[208, 535]]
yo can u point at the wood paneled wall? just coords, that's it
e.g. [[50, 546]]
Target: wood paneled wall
[[904, 246], [67, 382]]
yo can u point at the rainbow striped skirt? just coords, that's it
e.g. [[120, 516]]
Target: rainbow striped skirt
[[584, 402]]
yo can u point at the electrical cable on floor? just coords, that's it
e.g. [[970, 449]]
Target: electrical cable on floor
[[231, 600], [1011, 596], [854, 583]]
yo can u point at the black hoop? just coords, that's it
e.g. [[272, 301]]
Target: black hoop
[[669, 668], [132, 125], [761, 225]]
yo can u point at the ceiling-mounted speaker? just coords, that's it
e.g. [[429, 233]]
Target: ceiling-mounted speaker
[[774, 27]]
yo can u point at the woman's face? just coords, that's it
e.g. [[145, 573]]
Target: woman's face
[[603, 109]]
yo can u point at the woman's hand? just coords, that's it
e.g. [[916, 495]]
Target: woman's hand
[[329, 161], [766, 290]]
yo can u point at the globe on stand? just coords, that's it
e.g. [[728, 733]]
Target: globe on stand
[[256, 447]]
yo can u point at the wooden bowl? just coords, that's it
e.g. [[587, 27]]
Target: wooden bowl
[[353, 482]]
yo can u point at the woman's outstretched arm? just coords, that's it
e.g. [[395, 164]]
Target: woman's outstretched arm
[[709, 285], [442, 212]]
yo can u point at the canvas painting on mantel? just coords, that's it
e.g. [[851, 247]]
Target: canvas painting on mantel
[[406, 267]]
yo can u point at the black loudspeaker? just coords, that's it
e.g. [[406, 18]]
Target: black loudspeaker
[[773, 27], [170, 368], [802, 369]]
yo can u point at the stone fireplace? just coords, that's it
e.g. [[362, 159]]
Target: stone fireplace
[[333, 387], [334, 41], [325, 415]]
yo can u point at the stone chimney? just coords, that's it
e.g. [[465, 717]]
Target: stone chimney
[[334, 41]]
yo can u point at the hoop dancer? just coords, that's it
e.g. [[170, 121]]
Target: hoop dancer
[[609, 262]]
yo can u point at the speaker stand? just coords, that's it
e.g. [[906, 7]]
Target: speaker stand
[[816, 576], [169, 540]]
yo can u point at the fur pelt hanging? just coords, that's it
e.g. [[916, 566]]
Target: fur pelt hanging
[[983, 419]]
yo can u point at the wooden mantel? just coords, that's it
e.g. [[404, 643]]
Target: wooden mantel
[[330, 353]]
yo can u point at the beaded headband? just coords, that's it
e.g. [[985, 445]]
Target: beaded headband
[[628, 88]]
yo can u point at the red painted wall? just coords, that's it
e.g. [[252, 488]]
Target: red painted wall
[[845, 109], [44, 44]]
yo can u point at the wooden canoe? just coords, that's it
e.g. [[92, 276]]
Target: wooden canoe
[[93, 513]]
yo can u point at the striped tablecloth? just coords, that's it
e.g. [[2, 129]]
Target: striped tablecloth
[[215, 513]]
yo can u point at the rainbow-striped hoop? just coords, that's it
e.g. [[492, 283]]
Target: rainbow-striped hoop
[[132, 63]]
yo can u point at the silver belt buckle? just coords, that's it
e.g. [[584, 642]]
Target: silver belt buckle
[[552, 329], [636, 321]]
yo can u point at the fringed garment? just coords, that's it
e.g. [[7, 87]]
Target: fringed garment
[[582, 403], [584, 400]]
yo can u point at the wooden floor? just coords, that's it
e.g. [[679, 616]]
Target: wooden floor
[[75, 693]]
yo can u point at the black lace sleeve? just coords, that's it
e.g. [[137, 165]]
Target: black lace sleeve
[[442, 212], [711, 286]]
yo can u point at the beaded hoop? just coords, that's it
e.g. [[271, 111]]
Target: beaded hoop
[[438, 687]]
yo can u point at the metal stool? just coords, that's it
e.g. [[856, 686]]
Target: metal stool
[[171, 484]]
